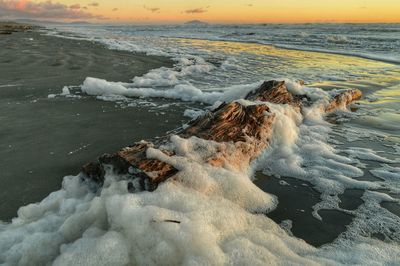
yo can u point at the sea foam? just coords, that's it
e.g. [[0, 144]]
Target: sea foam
[[206, 215]]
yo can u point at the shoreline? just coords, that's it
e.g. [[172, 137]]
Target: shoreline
[[285, 47], [370, 57], [39, 140]]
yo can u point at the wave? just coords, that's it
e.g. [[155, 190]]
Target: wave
[[255, 37], [375, 57]]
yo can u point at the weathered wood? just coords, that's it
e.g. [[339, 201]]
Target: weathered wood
[[229, 122], [245, 130], [276, 92]]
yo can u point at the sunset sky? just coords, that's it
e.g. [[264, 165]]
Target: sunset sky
[[222, 11]]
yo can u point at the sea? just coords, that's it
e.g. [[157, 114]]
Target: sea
[[349, 159]]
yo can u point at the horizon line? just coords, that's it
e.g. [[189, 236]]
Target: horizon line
[[185, 22]]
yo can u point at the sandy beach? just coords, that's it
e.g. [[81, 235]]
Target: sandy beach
[[42, 139]]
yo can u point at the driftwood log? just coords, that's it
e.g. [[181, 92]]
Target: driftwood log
[[247, 129]]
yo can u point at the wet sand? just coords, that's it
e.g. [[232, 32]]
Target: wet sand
[[42, 139], [296, 199]]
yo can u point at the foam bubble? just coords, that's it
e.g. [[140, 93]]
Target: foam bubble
[[184, 92], [387, 172], [204, 216], [300, 148], [193, 114], [367, 154]]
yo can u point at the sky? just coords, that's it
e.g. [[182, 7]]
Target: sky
[[218, 11]]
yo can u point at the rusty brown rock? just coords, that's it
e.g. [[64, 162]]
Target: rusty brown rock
[[276, 92], [343, 99]]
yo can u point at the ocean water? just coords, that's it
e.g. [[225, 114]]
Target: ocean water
[[221, 210], [375, 41]]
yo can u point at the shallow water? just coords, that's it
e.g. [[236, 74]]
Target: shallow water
[[337, 183], [375, 41]]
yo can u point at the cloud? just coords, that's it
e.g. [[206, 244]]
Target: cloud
[[152, 9], [43, 10], [94, 4], [75, 6], [196, 10], [115, 9]]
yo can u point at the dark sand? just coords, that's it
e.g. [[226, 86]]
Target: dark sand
[[41, 139], [296, 199]]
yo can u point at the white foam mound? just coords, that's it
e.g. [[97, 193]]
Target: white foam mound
[[205, 217], [170, 83], [184, 92]]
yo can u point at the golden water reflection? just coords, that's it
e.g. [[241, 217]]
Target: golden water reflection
[[379, 81]]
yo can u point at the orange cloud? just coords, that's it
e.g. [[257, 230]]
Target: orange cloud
[[43, 10], [75, 6], [152, 9], [196, 10], [21, 4]]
